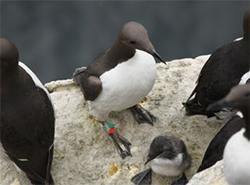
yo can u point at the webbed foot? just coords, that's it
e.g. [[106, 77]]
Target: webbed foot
[[142, 115]]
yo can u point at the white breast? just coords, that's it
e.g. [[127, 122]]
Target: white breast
[[168, 167], [244, 78], [125, 85], [237, 160]]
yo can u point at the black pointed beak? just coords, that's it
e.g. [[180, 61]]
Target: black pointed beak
[[147, 161], [157, 56], [218, 106]]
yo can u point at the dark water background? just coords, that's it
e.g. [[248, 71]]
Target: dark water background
[[55, 37]]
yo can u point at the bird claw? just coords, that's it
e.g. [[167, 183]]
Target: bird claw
[[142, 115], [124, 154], [122, 145], [120, 142]]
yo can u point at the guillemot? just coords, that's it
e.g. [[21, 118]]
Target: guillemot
[[167, 156], [237, 150], [234, 122], [119, 79], [27, 117], [215, 149], [222, 71]]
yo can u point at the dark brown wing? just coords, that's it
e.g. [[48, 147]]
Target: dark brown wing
[[91, 86], [27, 134], [88, 77], [222, 71]]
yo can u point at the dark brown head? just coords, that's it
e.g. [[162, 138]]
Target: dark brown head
[[8, 57], [238, 98], [135, 35], [246, 24]]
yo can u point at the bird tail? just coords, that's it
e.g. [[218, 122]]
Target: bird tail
[[192, 105], [39, 171], [36, 181], [33, 176], [193, 93], [143, 178]]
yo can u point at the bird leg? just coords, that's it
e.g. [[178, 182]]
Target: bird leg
[[141, 115], [181, 181], [121, 143]]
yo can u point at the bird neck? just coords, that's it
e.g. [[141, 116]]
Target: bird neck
[[120, 52], [7, 76], [8, 79]]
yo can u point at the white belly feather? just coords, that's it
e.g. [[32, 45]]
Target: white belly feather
[[237, 160], [125, 85], [167, 167]]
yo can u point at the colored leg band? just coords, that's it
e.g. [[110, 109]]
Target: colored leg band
[[109, 127]]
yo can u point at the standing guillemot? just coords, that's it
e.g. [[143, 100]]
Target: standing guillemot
[[119, 79], [168, 156], [222, 71], [235, 123], [237, 150], [27, 117]]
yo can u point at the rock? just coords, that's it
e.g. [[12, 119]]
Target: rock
[[16, 182], [211, 176], [85, 155]]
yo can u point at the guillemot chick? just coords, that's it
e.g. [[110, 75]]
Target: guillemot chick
[[222, 71], [119, 79], [237, 150], [27, 117], [167, 156]]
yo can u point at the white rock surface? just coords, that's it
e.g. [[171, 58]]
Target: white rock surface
[[211, 176], [84, 155]]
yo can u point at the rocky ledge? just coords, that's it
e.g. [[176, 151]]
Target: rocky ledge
[[211, 176], [84, 154]]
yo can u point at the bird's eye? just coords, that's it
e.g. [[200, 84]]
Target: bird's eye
[[132, 42]]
